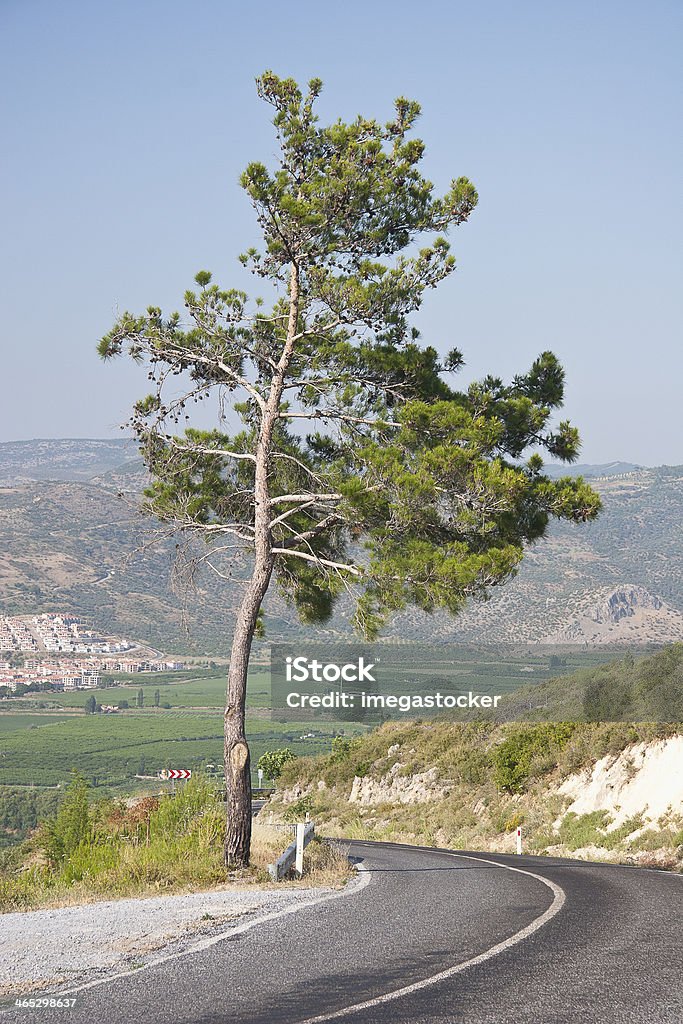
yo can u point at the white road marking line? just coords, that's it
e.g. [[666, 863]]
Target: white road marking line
[[353, 887], [554, 908]]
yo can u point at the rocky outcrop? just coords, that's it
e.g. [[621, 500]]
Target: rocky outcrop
[[623, 602], [628, 613], [395, 788]]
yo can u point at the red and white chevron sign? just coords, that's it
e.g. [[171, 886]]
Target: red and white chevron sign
[[175, 773]]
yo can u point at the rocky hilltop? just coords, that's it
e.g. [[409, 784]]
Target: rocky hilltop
[[624, 614], [624, 602]]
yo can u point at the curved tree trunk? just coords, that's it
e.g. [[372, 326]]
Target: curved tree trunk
[[236, 748]]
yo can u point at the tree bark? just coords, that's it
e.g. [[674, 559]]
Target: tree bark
[[236, 748]]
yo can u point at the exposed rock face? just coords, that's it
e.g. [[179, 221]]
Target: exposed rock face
[[644, 779], [627, 613], [623, 602], [398, 789]]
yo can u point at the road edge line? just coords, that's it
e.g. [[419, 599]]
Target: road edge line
[[352, 888], [555, 907]]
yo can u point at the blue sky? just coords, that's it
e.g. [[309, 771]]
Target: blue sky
[[125, 127]]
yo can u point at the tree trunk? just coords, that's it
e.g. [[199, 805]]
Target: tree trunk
[[236, 748]]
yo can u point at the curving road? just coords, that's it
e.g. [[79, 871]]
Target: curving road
[[432, 936]]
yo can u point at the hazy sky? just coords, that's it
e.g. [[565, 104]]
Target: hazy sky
[[125, 126]]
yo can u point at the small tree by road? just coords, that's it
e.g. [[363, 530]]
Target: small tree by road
[[272, 762], [357, 468], [72, 824]]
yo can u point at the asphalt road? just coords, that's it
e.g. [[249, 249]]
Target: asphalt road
[[430, 936]]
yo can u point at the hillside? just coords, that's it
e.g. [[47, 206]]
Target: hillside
[[67, 541], [633, 549], [67, 459], [595, 790]]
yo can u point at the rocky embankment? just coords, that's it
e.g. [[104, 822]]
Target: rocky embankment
[[625, 806]]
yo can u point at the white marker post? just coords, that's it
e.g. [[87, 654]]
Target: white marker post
[[260, 778], [519, 840], [299, 862]]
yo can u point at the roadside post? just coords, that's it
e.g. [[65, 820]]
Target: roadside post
[[294, 854], [519, 840], [299, 862], [260, 778]]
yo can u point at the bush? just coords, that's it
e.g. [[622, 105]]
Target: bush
[[472, 766], [577, 830], [528, 752], [272, 762], [341, 748], [71, 826], [298, 811]]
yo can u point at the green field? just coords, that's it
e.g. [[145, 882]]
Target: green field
[[110, 750], [43, 736], [180, 689], [17, 721]]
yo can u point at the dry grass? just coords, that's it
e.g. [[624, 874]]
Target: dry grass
[[157, 847], [325, 862]]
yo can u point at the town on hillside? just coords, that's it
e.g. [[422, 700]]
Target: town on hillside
[[58, 651]]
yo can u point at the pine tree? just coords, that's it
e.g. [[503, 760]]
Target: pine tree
[[358, 469]]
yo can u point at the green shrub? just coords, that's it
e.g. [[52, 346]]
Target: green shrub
[[341, 748], [298, 810], [472, 766], [271, 762], [528, 752], [71, 826], [577, 830]]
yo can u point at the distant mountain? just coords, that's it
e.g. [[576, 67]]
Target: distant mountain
[[624, 614], [635, 543], [67, 542], [75, 459], [555, 469], [68, 459]]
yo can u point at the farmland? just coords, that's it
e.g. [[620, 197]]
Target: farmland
[[187, 689], [43, 736], [111, 749]]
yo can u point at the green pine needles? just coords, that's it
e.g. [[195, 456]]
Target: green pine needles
[[403, 490]]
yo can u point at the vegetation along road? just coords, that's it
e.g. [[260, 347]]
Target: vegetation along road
[[428, 936]]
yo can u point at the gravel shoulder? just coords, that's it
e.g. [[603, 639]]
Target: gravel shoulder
[[40, 949]]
